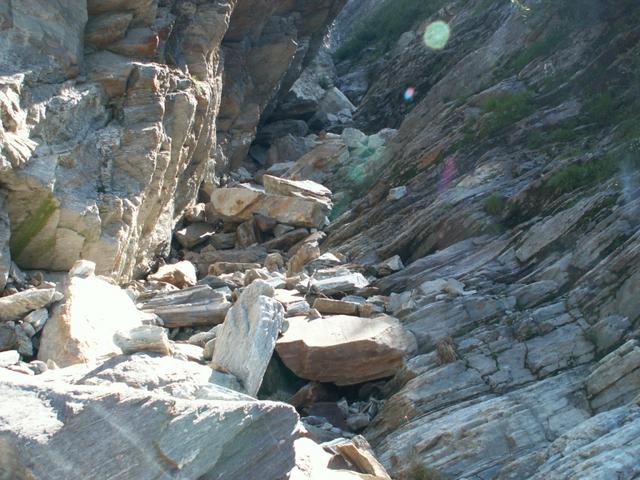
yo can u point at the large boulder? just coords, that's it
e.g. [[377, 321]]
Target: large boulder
[[345, 350], [48, 430], [16, 306], [82, 328], [245, 342], [241, 204]]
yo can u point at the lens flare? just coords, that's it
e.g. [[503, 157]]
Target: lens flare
[[448, 172], [437, 35], [409, 93]]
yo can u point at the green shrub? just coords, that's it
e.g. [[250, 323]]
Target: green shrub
[[582, 174], [418, 471], [494, 204], [543, 47], [505, 110], [383, 28], [601, 108]]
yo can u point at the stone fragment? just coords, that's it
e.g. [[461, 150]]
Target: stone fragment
[[358, 421], [397, 193], [389, 266], [329, 306], [194, 234], [274, 262], [5, 233], [10, 357], [220, 268], [307, 253], [146, 338], [16, 306], [247, 234], [338, 281], [223, 241], [265, 224], [359, 453], [182, 274], [297, 188], [81, 329], [287, 239], [195, 306], [83, 269], [248, 336], [345, 350]]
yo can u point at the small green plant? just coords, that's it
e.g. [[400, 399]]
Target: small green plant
[[504, 110], [417, 471], [543, 47], [601, 108], [383, 28], [584, 173], [494, 204]]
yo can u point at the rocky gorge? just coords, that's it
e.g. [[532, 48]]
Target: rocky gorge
[[327, 239]]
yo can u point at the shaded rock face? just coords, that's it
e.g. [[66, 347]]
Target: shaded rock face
[[108, 116], [496, 152], [266, 47]]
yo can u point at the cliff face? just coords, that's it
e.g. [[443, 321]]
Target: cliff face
[[518, 152], [109, 113]]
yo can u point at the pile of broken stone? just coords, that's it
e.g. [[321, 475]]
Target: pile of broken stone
[[249, 308]]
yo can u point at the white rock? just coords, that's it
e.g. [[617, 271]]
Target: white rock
[[397, 193], [245, 342], [16, 306]]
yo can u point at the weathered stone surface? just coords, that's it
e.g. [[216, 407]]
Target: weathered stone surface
[[300, 188], [147, 338], [146, 431], [335, 307], [329, 282], [247, 234], [5, 232], [245, 342], [220, 268], [18, 305], [242, 203], [195, 306], [345, 350], [616, 379], [82, 327], [9, 357], [195, 234], [182, 274]]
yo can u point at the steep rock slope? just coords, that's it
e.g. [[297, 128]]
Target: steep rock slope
[[109, 114], [519, 155]]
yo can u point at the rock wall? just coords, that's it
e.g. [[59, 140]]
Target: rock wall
[[108, 115]]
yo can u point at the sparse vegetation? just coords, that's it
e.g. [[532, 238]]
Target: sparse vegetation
[[385, 26], [494, 204], [418, 471], [584, 173], [543, 47], [504, 110], [445, 348]]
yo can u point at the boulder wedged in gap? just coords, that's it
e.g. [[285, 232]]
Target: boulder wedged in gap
[[246, 340], [194, 306], [345, 350]]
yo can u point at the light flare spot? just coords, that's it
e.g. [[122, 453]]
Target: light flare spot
[[436, 35], [409, 93]]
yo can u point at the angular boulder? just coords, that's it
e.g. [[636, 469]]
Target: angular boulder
[[345, 350], [240, 204], [143, 435], [297, 188], [182, 274], [245, 342], [16, 306], [82, 328]]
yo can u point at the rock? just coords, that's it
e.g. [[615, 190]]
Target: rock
[[397, 193], [169, 428], [449, 286], [247, 234], [220, 268], [16, 306], [83, 269], [195, 306], [274, 262], [10, 357], [281, 229], [5, 233], [240, 204], [359, 453], [201, 339], [146, 338], [82, 327], [616, 379], [247, 338], [345, 350], [389, 266], [358, 421], [353, 137], [187, 352], [265, 224], [297, 188], [307, 253], [270, 132], [207, 352], [194, 234], [340, 280], [223, 241], [210, 255], [335, 307], [609, 331], [287, 239], [182, 274]]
